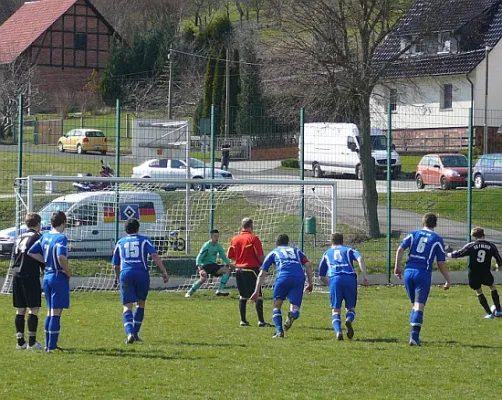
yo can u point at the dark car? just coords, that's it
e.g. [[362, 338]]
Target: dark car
[[488, 171], [448, 170]]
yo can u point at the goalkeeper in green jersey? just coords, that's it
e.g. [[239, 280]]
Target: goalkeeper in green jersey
[[206, 263]]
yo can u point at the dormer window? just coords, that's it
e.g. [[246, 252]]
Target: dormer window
[[447, 42]]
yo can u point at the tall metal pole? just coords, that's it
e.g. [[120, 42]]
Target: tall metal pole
[[227, 93], [302, 177], [20, 122], [469, 178], [485, 127], [169, 92], [117, 169], [213, 142], [20, 107], [389, 191]]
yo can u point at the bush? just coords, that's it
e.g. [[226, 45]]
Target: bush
[[290, 163], [476, 152]]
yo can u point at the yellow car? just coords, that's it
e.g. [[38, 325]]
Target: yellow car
[[83, 140]]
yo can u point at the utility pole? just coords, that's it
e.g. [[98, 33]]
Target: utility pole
[[170, 58], [227, 93]]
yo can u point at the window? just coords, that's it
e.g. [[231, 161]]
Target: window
[[425, 161], [84, 215], [446, 97], [444, 42], [176, 164], [393, 100], [80, 41]]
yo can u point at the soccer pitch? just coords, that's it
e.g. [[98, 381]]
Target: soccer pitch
[[194, 349]]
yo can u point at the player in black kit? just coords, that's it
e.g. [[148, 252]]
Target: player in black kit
[[26, 289], [480, 253]]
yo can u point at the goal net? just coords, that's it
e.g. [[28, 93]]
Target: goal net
[[178, 222]]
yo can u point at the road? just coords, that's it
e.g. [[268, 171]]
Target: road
[[44, 149], [349, 195]]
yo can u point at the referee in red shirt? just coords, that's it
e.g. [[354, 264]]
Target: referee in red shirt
[[247, 251]]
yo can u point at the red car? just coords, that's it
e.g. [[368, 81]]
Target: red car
[[447, 170]]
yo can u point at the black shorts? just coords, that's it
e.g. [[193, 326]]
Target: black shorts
[[476, 279], [246, 281], [26, 292], [212, 269]]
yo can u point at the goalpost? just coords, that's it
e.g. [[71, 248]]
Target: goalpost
[[177, 221]]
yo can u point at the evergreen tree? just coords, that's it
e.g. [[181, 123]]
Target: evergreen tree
[[235, 85], [250, 99], [208, 89]]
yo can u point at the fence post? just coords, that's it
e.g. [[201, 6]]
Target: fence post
[[20, 107], [302, 177], [389, 191], [213, 142], [117, 169], [469, 178], [35, 131]]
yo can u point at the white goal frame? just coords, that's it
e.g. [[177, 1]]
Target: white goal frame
[[25, 201]]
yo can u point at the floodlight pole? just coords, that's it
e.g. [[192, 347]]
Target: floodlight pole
[[485, 126], [117, 169], [20, 107], [169, 91], [302, 177], [389, 191]]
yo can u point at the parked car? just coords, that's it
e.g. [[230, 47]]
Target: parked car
[[447, 170], [176, 169], [488, 171], [83, 140]]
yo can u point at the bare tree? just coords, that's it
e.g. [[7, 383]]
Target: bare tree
[[143, 94], [16, 78], [258, 6], [340, 41]]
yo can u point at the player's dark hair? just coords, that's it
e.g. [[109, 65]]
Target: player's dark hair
[[282, 240], [247, 223], [214, 231], [58, 218], [478, 233], [430, 220], [32, 220], [132, 226], [337, 238]]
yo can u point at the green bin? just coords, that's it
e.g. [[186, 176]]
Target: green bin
[[310, 225]]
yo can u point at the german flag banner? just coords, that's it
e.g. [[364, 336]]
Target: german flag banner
[[143, 212]]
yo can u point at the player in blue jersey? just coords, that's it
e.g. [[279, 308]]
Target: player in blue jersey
[[130, 260], [424, 246], [290, 282], [51, 249], [337, 270]]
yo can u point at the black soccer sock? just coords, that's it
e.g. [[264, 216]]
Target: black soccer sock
[[242, 309], [496, 299], [484, 303], [259, 310], [32, 329], [19, 321]]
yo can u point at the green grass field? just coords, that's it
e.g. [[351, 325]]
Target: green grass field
[[194, 349]]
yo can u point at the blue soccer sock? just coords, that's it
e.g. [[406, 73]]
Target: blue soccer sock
[[223, 282], [351, 315], [337, 323], [416, 320], [139, 314], [296, 313], [54, 328], [46, 329], [128, 322], [277, 318], [195, 287]]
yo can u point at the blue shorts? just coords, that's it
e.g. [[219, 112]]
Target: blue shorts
[[418, 284], [57, 291], [134, 285], [289, 287], [343, 287]]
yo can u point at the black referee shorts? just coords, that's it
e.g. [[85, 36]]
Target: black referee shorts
[[26, 292], [476, 279], [246, 281]]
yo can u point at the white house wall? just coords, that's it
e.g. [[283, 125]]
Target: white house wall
[[418, 105], [494, 88]]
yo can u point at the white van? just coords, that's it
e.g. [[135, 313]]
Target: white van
[[334, 148], [91, 220]]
